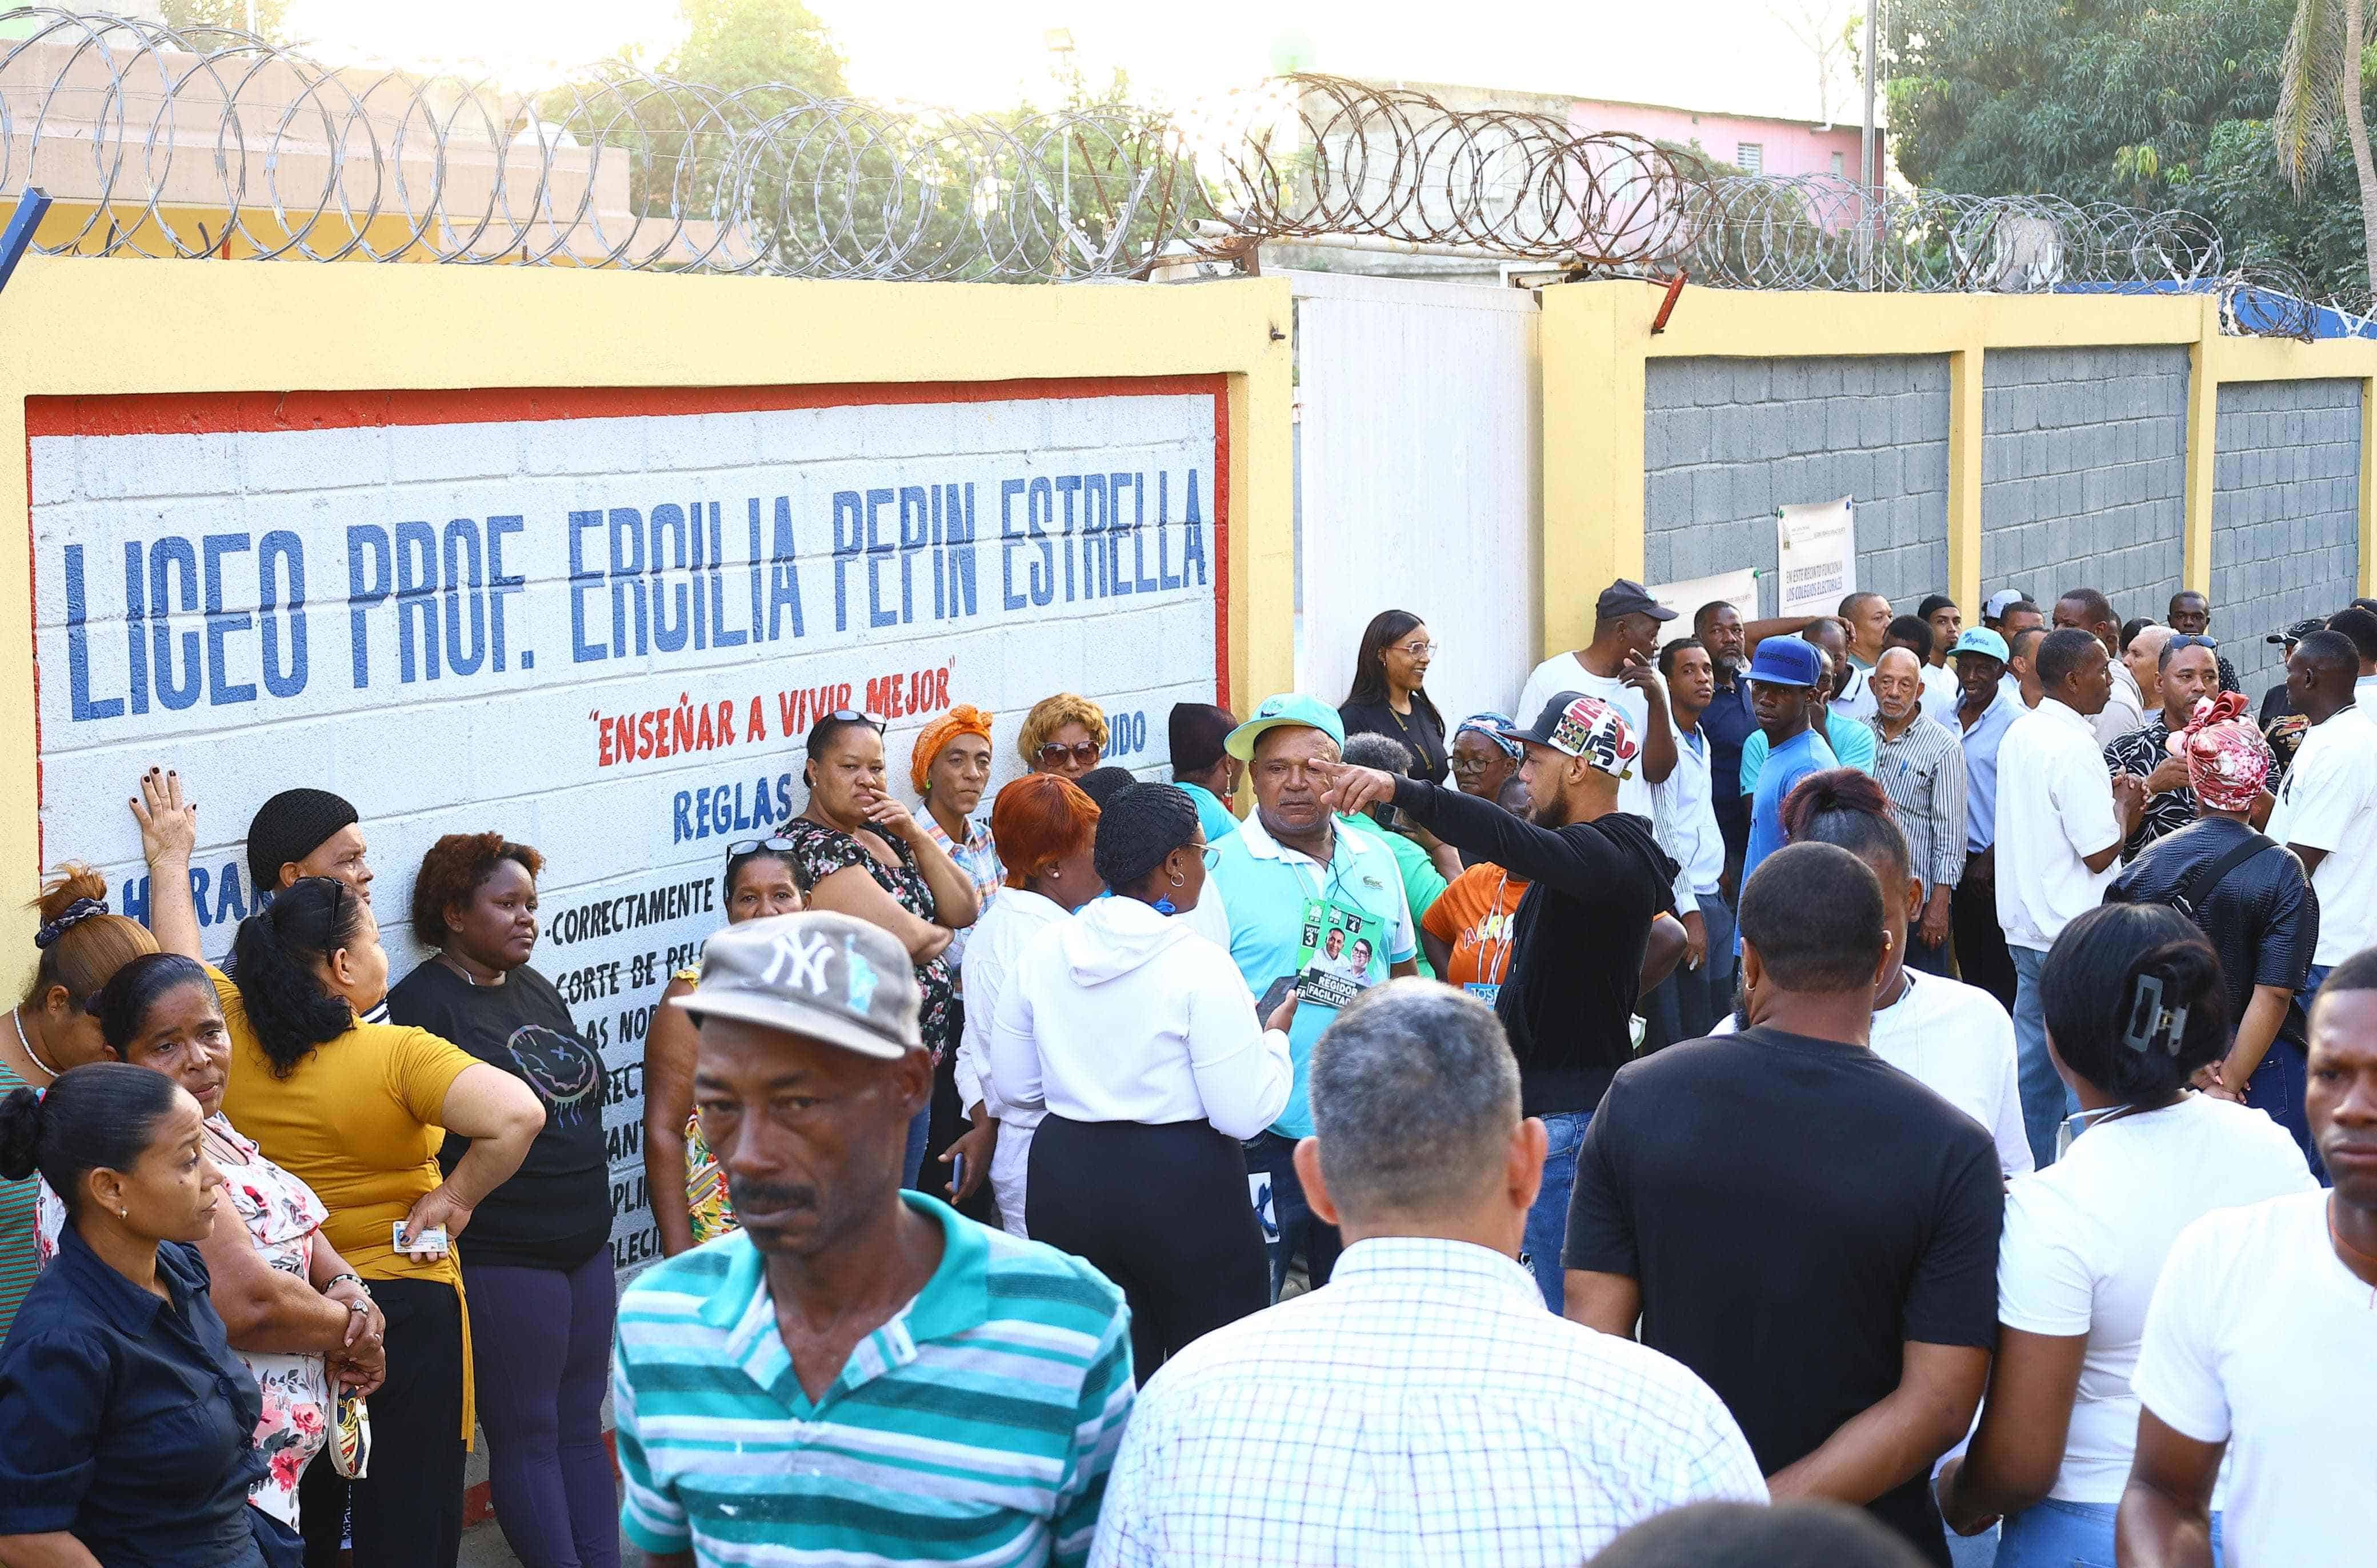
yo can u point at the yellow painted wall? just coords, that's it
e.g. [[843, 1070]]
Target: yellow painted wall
[[87, 326], [1597, 341]]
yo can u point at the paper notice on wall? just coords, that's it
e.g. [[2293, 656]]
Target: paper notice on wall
[[1738, 589], [1817, 547]]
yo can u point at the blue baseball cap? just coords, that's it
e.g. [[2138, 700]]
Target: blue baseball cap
[[1786, 660], [1981, 639], [1287, 708]]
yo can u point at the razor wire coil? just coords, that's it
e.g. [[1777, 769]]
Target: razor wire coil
[[200, 141]]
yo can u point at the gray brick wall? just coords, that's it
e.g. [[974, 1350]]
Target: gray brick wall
[[2285, 514], [1726, 441], [2084, 473]]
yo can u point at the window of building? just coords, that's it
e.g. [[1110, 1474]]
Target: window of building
[[1840, 165], [1751, 156]]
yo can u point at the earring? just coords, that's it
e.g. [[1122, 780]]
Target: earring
[[1176, 880], [123, 1213]]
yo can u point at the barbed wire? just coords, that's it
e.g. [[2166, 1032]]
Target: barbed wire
[[205, 141]]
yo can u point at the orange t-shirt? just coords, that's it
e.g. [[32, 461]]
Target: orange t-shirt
[[1473, 916]]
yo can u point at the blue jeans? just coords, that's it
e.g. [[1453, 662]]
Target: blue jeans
[[1688, 1003], [912, 1164], [1547, 1235], [2045, 1101], [2053, 1534], [1293, 1225], [2277, 1089]]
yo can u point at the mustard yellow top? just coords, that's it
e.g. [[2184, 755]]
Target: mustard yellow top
[[357, 1122]]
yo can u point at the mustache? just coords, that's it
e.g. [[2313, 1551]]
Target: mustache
[[767, 1197]]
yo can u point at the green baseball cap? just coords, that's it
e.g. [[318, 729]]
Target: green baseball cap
[[1287, 708]]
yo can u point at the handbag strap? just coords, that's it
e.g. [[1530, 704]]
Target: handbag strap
[[2191, 895]]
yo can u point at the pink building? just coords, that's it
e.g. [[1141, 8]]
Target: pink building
[[1752, 142]]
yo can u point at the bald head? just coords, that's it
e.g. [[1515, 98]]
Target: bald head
[[2142, 659], [1897, 685]]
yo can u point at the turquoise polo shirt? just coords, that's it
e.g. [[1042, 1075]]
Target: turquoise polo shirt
[[1263, 887], [977, 1425], [1212, 815]]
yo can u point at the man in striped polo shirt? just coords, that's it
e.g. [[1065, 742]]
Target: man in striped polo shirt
[[858, 1375], [1920, 766]]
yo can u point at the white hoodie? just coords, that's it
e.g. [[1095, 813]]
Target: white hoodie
[[1123, 1014]]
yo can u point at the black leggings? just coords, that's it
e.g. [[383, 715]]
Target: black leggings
[[407, 1508], [1164, 1211]]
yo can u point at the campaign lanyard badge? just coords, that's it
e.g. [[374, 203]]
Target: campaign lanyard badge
[[1341, 947], [1492, 937]]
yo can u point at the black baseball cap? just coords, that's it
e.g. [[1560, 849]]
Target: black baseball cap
[[1628, 597], [2297, 631]]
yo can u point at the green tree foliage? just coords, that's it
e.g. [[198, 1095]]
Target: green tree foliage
[[271, 16], [739, 44], [2158, 105]]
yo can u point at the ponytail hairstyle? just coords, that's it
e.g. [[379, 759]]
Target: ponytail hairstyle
[[2134, 1002], [289, 1006], [82, 944], [1843, 806], [124, 1002], [101, 1115]]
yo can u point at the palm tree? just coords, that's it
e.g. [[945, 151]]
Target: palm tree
[[2318, 83]]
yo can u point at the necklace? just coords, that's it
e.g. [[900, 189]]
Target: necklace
[[2337, 1240], [451, 963], [15, 1016]]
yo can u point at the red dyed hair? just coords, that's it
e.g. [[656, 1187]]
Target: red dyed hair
[[1040, 818]]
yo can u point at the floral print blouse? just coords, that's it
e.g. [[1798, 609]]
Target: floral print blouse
[[282, 1216], [821, 851]]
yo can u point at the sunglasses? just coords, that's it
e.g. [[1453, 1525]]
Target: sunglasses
[[1421, 650], [1054, 752], [742, 848], [2188, 640], [853, 716]]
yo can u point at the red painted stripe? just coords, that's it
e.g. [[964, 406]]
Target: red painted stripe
[[142, 414]]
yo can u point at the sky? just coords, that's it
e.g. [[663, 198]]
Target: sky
[[1736, 55]]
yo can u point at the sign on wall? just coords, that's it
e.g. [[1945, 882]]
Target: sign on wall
[[600, 622], [1816, 545]]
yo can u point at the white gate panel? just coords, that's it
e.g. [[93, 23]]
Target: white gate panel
[[1421, 485]]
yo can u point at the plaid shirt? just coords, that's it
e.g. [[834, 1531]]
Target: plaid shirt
[[978, 858], [1422, 1407], [1923, 774]]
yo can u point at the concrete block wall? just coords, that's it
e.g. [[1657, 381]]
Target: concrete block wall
[[2084, 473], [2286, 535], [1726, 441]]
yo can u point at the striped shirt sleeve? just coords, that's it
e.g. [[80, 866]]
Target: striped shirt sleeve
[[1099, 1419], [650, 1516]]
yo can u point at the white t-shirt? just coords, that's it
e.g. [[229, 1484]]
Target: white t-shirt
[[2054, 806], [2261, 1337], [2086, 1238], [1941, 694], [1565, 672], [1957, 1042], [2329, 802], [2124, 708]]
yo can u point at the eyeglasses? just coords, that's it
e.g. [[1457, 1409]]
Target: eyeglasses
[[1083, 754], [1421, 650], [853, 716], [1212, 853], [742, 848]]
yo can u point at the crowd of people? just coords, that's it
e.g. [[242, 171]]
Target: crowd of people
[[1857, 1089]]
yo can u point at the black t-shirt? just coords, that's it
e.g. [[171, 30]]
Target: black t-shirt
[[2262, 918], [554, 1212], [1794, 1210], [1576, 941], [1419, 729]]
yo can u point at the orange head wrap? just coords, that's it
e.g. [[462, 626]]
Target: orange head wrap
[[964, 719]]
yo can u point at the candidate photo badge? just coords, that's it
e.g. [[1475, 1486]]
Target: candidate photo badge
[[1340, 947]]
